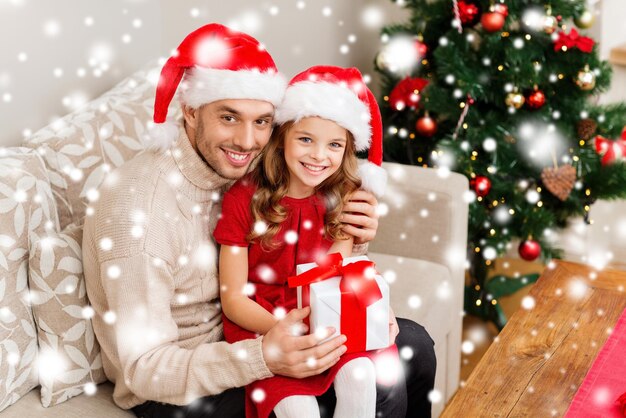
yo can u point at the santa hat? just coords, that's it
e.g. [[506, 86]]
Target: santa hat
[[340, 95], [217, 63]]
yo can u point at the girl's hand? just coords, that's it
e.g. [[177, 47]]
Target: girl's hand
[[394, 329], [359, 217]]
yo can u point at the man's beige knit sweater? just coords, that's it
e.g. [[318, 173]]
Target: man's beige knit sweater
[[151, 274]]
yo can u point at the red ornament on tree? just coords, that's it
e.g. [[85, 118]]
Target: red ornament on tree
[[493, 21], [536, 99], [481, 185], [407, 93], [529, 250], [611, 151], [422, 48], [468, 12], [426, 126]]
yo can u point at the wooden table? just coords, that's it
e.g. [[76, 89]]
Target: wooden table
[[536, 364]]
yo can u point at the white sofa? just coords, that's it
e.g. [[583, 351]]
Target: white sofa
[[420, 246]]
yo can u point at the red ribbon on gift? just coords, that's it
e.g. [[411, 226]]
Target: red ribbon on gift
[[611, 151], [574, 40], [358, 289]]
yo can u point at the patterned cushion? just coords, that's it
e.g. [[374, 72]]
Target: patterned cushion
[[82, 147], [26, 212], [59, 301]]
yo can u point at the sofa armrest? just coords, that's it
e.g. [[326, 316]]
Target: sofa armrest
[[424, 216]]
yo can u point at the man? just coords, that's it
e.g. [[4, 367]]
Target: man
[[150, 262]]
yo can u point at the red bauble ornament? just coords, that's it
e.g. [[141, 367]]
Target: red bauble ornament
[[536, 99], [468, 12], [426, 126], [529, 250], [492, 21], [481, 185]]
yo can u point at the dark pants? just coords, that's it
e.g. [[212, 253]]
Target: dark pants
[[395, 402]]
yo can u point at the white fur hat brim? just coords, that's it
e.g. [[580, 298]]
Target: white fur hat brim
[[373, 177], [328, 101], [205, 85]]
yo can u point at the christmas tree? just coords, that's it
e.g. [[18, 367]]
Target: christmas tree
[[503, 92]]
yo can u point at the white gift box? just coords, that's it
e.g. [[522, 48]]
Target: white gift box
[[325, 302]]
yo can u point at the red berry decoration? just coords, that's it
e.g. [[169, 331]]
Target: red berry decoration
[[536, 99], [529, 250], [426, 126], [481, 185], [468, 12]]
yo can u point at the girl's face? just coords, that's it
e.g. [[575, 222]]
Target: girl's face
[[314, 149]]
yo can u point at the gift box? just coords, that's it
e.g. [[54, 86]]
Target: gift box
[[349, 295]]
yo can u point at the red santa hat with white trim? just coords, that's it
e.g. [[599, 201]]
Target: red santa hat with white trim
[[340, 95], [217, 64]]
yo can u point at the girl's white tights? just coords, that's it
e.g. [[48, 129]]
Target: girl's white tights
[[300, 406], [355, 387]]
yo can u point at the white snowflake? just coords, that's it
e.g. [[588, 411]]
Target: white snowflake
[[291, 237], [390, 276], [114, 272], [280, 312], [90, 388], [266, 273], [109, 317], [106, 244], [528, 302], [388, 369], [88, 312], [50, 364], [258, 395], [406, 353], [414, 301], [467, 347], [435, 396], [249, 289]]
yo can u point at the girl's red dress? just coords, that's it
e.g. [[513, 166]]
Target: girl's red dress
[[302, 234]]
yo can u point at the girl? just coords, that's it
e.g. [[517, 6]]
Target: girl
[[286, 212]]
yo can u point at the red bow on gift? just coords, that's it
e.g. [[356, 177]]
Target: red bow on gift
[[621, 404], [611, 151], [574, 40], [358, 291], [407, 93]]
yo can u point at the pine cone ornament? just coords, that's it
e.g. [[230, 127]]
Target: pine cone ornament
[[559, 181], [586, 129]]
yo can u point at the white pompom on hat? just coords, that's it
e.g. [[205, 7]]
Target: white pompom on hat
[[340, 95], [217, 64]]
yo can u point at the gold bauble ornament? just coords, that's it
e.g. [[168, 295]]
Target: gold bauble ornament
[[515, 99], [549, 24], [381, 61], [585, 20], [586, 79]]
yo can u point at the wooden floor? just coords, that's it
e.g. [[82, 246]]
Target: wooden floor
[[481, 334], [523, 374]]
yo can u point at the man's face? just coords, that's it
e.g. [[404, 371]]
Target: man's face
[[229, 134]]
